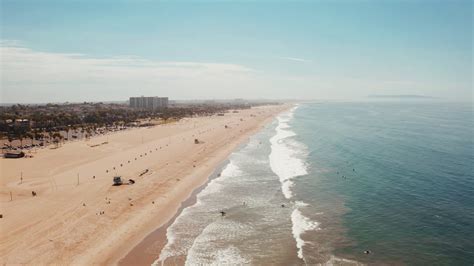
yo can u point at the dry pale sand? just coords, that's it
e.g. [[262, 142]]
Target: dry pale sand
[[63, 224]]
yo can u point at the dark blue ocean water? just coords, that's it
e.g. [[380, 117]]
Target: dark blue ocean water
[[393, 178]]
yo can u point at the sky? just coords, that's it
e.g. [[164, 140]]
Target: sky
[[92, 50]]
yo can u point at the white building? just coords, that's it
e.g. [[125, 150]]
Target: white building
[[150, 103]]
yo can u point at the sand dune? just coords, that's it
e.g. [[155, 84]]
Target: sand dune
[[78, 217]]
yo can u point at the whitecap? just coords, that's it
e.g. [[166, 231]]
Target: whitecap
[[301, 224], [286, 188], [178, 242], [227, 256], [287, 155], [207, 247]]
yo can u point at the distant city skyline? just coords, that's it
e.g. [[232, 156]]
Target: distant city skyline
[[87, 50]]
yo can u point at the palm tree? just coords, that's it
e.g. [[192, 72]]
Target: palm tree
[[55, 136], [30, 136], [20, 137], [40, 136], [61, 139], [10, 139]]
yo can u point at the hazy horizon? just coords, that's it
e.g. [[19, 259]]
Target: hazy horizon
[[77, 51], [370, 98]]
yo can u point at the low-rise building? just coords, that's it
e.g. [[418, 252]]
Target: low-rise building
[[22, 123]]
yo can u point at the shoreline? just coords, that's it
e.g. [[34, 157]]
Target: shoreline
[[156, 239], [63, 225], [150, 248], [125, 247]]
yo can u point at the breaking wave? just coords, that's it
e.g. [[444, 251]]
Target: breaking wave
[[287, 161], [285, 155], [178, 234], [301, 224]]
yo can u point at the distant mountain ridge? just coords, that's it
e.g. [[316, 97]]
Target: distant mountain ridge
[[401, 96]]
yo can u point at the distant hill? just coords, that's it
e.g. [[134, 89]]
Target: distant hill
[[401, 96]]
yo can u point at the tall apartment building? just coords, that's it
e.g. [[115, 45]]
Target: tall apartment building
[[150, 103]]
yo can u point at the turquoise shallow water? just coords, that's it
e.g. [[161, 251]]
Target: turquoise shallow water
[[392, 178]]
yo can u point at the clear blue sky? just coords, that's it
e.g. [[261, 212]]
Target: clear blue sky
[[109, 50]]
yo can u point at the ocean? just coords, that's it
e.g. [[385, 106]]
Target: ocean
[[340, 183]]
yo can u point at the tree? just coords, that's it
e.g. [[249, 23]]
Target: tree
[[30, 136], [10, 139], [20, 137], [56, 136]]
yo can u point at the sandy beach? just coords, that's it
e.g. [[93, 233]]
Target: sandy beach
[[79, 218]]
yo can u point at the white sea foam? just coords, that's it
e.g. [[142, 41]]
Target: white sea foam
[[178, 244], [287, 160], [231, 170], [341, 261], [285, 157], [228, 256], [207, 248], [301, 224], [301, 204], [286, 188]]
